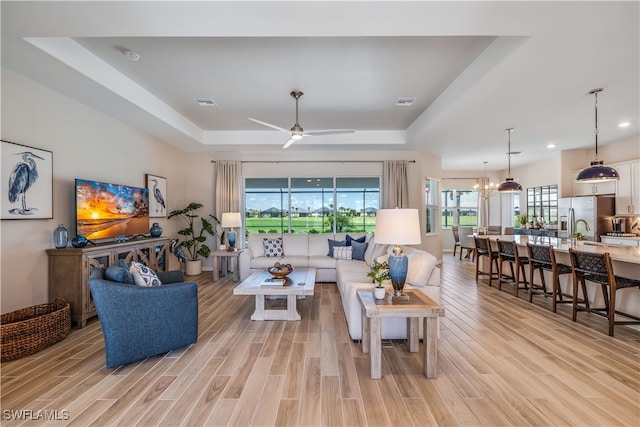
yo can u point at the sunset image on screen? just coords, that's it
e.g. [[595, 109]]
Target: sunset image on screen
[[107, 210]]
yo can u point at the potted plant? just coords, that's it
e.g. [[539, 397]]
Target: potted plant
[[379, 273], [194, 236], [523, 221]]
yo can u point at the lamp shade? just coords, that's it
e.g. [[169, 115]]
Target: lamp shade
[[231, 220], [509, 186], [398, 227], [597, 172]]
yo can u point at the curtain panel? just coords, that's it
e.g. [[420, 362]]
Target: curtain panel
[[395, 184]]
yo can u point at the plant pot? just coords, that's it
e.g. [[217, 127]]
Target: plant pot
[[379, 293], [222, 247], [194, 267]]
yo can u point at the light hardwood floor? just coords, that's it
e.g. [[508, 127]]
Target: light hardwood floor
[[502, 361]]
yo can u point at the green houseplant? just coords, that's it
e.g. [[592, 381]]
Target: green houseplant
[[194, 235], [379, 272], [523, 220]]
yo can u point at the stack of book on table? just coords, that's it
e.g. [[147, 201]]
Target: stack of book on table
[[274, 281]]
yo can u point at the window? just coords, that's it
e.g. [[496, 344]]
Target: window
[[431, 193], [459, 207], [311, 205], [542, 202]]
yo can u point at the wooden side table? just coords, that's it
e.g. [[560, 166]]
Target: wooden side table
[[418, 307], [228, 256]]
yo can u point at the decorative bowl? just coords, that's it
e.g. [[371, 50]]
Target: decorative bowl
[[282, 272]]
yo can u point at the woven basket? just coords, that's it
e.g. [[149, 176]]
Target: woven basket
[[32, 329]]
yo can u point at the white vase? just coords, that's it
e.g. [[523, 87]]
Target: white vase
[[379, 293], [194, 267]]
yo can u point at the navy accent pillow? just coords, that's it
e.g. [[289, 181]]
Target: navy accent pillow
[[351, 239], [116, 273], [358, 249], [334, 243]]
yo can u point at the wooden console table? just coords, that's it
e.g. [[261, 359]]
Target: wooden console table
[[418, 307], [69, 269]]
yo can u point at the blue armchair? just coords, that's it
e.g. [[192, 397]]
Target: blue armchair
[[138, 322]]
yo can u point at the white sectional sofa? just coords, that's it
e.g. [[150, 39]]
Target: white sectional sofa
[[311, 250]]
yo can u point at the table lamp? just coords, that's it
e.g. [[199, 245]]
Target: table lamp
[[231, 220], [398, 227]]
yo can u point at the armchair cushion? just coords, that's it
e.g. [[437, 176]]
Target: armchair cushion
[[138, 322], [119, 272], [143, 275]]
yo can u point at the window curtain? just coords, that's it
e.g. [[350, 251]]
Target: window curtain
[[227, 195], [395, 184]]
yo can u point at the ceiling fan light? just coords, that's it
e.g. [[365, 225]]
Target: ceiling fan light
[[296, 136], [597, 172], [509, 186]]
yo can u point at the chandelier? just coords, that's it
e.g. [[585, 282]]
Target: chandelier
[[484, 186]]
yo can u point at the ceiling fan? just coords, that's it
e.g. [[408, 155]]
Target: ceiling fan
[[297, 132]]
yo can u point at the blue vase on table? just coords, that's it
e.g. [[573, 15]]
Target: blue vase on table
[[155, 230]]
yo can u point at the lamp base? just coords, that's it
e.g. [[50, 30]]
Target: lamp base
[[400, 297]]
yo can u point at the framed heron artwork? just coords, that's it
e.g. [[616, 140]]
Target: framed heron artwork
[[157, 187], [27, 182]]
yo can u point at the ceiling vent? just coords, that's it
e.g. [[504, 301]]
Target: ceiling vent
[[205, 102], [405, 102]]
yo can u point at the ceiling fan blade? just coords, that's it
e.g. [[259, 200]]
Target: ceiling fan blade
[[289, 142], [329, 132], [270, 125]]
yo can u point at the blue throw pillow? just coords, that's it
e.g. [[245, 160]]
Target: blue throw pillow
[[351, 239], [116, 273], [358, 250], [333, 244]]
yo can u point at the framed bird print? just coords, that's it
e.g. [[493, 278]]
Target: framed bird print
[[26, 182], [157, 187]]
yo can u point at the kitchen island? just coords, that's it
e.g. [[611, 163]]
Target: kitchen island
[[625, 260]]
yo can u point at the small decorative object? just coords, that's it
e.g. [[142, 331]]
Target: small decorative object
[[26, 188], [379, 273], [155, 230], [80, 241], [60, 237], [523, 221], [157, 187], [379, 293], [280, 270], [398, 227]]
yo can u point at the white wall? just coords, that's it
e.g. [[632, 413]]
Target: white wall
[[85, 144]]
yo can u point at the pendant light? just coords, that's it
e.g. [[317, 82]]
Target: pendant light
[[597, 172], [509, 185]]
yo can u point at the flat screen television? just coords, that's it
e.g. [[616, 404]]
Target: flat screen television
[[105, 210]]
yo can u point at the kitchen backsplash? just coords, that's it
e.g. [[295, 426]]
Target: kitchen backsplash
[[632, 225]]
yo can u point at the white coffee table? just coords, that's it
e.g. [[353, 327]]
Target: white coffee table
[[300, 282]]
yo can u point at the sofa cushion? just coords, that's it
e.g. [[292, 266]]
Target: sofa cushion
[[342, 252], [297, 261], [321, 261], [118, 273], [421, 264], [143, 275], [318, 244], [295, 244], [254, 242], [360, 239], [333, 244], [359, 249], [374, 251], [272, 247]]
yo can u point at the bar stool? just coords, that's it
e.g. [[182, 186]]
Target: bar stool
[[597, 268], [508, 252], [542, 258], [465, 235], [483, 248]]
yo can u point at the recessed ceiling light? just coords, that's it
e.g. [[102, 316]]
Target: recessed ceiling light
[[551, 145], [405, 102], [132, 56], [624, 124], [205, 102]]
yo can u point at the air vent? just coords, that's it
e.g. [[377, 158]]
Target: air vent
[[405, 102], [205, 102]]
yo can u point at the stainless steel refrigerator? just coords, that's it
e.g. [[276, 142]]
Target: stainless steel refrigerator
[[589, 215]]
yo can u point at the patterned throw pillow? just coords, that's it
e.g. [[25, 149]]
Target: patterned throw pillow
[[143, 275], [273, 247], [342, 252]]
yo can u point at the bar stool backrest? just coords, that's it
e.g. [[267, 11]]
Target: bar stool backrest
[[482, 244], [506, 248], [456, 237], [591, 263], [540, 254]]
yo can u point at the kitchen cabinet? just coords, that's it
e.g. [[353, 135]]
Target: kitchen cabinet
[[69, 269], [628, 188]]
